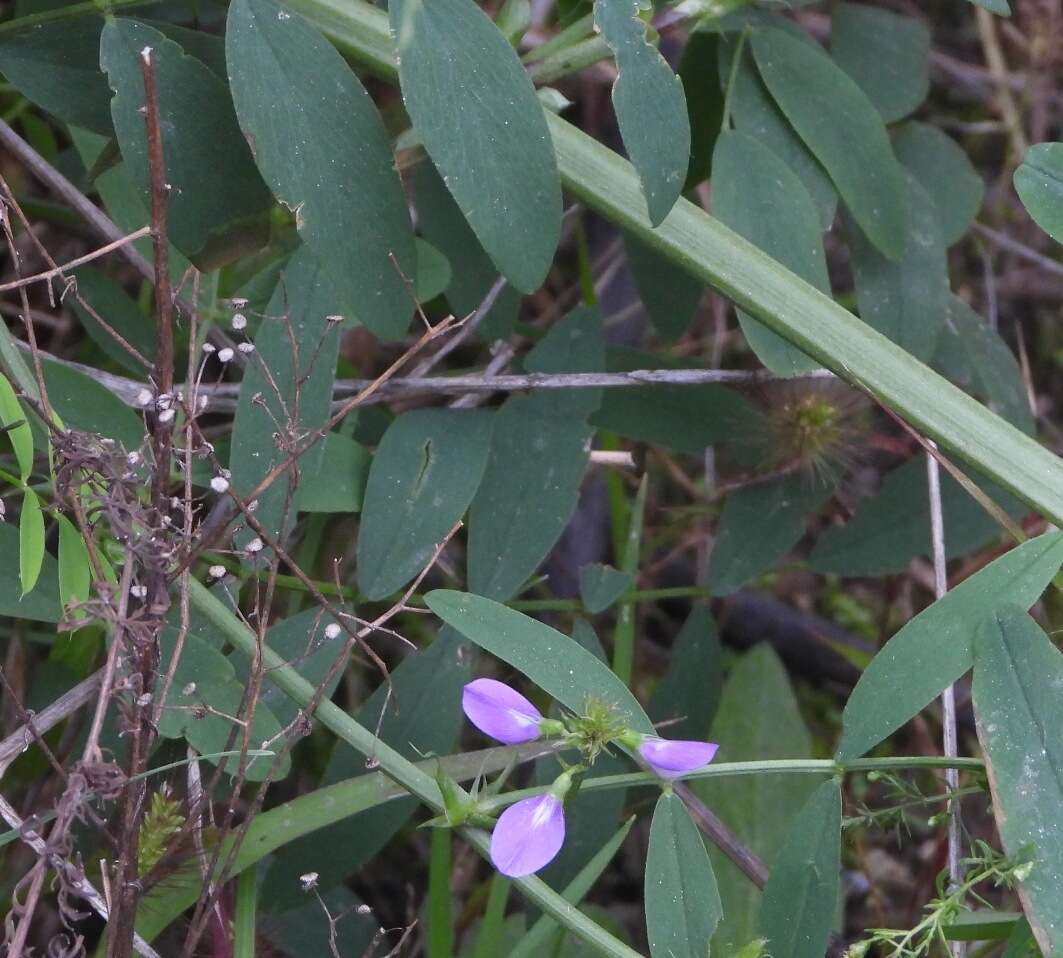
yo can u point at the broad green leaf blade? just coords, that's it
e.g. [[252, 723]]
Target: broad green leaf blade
[[1039, 183], [1018, 674], [20, 436], [424, 475], [422, 717], [57, 66], [670, 295], [30, 541], [755, 113], [761, 199], [759, 525], [984, 925], [518, 514], [475, 109], [276, 389], [1021, 942], [936, 647], [215, 188], [699, 72], [690, 690], [892, 527], [801, 897], [321, 146], [75, 576], [905, 299], [83, 403], [974, 354], [42, 604], [650, 106], [109, 301], [842, 128], [888, 56], [758, 718], [472, 272], [952, 184], [338, 484], [433, 271], [554, 662], [682, 903], [601, 585]]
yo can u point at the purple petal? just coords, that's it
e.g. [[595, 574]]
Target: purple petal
[[528, 835], [672, 758], [501, 712]]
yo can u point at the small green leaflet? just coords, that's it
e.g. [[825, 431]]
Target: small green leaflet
[[699, 72], [422, 479], [843, 129], [1039, 183], [690, 690], [554, 662], [936, 647], [30, 540], [42, 604], [650, 106], [75, 577], [321, 146], [670, 294], [1018, 675], [601, 585], [108, 300], [477, 114], [682, 903], [20, 436], [801, 897]]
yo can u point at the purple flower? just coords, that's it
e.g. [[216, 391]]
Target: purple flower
[[670, 759], [501, 712], [528, 835]]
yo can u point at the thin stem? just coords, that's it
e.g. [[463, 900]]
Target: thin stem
[[440, 924], [732, 79]]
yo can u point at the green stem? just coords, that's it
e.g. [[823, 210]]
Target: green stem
[[67, 13], [489, 939], [624, 632], [577, 57], [732, 79], [575, 32], [440, 926], [244, 916]]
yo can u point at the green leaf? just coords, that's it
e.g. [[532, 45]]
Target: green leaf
[[554, 662], [75, 576], [110, 302], [952, 184], [842, 128], [601, 585], [30, 541], [297, 317], [892, 527], [761, 199], [472, 272], [973, 353], [338, 484], [1018, 674], [1039, 183], [20, 436], [888, 56], [755, 113], [85, 404], [670, 295], [801, 896], [57, 66], [422, 717], [936, 647], [423, 477], [682, 903], [215, 188], [519, 513], [433, 271], [699, 72], [690, 690], [42, 604], [760, 524], [758, 719], [321, 146], [650, 107], [475, 109], [984, 925], [1021, 942], [906, 298]]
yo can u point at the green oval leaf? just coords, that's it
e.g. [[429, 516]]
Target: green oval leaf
[[888, 56], [761, 199], [42, 604], [475, 109], [682, 903], [423, 477], [109, 301], [650, 106], [215, 188], [30, 541], [670, 294], [601, 585], [18, 431], [554, 662], [75, 575], [83, 403], [689, 693], [801, 897], [1018, 674], [321, 146], [936, 647], [1039, 183], [842, 128]]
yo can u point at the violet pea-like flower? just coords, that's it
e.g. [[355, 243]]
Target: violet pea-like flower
[[531, 832], [503, 713], [670, 759]]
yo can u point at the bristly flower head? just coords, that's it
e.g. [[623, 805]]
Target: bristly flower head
[[503, 713], [531, 832]]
